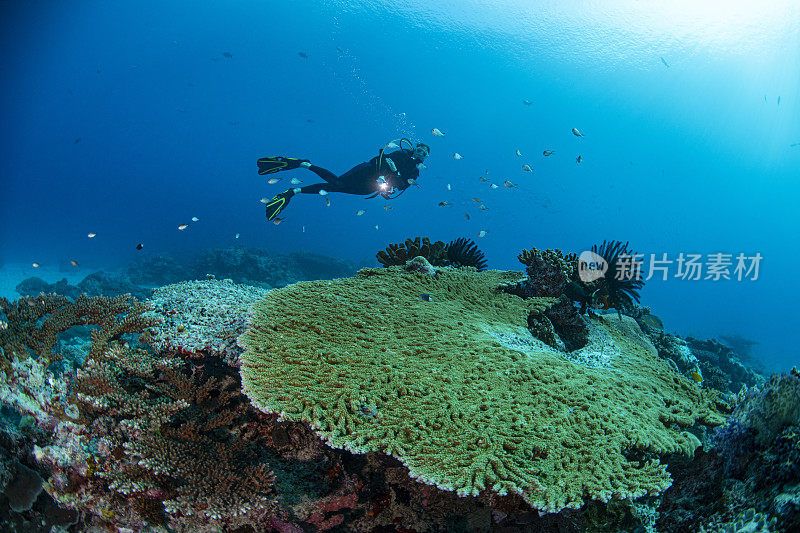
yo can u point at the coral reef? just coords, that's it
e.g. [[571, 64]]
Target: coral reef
[[754, 463], [34, 323], [457, 253], [549, 273], [721, 367], [202, 317], [95, 284], [251, 266], [459, 391]]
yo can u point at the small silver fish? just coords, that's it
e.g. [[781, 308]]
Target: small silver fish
[[303, 229], [482, 233], [508, 183], [576, 132], [264, 200], [360, 212], [388, 207], [183, 227], [493, 186], [483, 207], [548, 152], [444, 203], [328, 202], [527, 168], [277, 220], [377, 226], [195, 219], [466, 215], [449, 188], [236, 236], [519, 153], [579, 159], [482, 178], [323, 192], [295, 181], [73, 262], [92, 235], [35, 265], [476, 200], [273, 181], [527, 102], [457, 156], [437, 132]]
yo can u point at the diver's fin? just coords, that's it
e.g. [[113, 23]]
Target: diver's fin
[[278, 204], [270, 165]]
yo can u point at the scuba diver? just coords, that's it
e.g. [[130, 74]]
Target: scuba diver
[[385, 175]]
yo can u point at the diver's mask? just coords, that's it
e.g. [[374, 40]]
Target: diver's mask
[[421, 151]]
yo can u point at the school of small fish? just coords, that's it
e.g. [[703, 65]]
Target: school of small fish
[[393, 145]]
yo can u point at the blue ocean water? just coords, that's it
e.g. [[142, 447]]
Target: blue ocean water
[[126, 119]]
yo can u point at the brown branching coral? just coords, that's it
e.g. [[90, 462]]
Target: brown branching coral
[[35, 322], [163, 428], [548, 271]]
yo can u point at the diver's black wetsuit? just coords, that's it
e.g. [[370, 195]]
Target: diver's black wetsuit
[[364, 178]]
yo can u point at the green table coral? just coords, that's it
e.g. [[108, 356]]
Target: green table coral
[[457, 389]]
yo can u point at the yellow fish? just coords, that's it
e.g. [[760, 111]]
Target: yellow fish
[[697, 377]]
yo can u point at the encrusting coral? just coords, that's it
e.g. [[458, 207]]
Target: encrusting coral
[[202, 316], [456, 388]]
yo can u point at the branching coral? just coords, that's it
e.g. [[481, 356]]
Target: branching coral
[[161, 430], [548, 271], [34, 323], [457, 389]]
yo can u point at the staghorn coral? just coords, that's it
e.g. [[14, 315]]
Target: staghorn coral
[[202, 316], [159, 447], [34, 323], [458, 390]]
